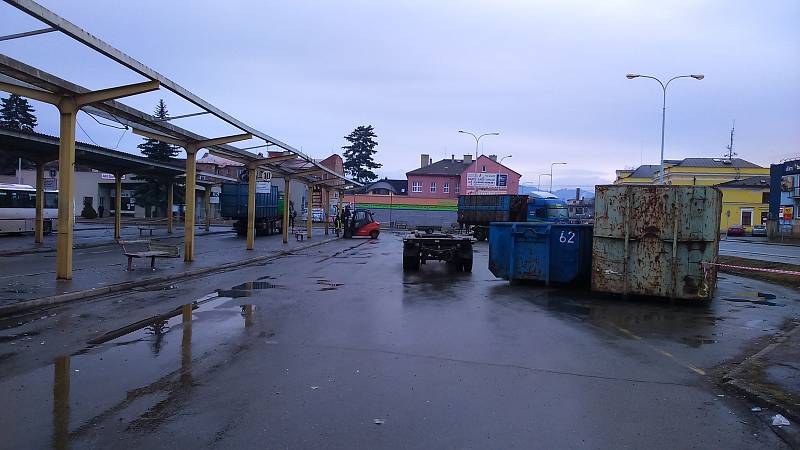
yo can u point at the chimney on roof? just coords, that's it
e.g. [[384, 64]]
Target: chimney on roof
[[424, 160], [468, 159], [493, 157]]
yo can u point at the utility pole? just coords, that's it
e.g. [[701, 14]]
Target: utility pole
[[731, 153]]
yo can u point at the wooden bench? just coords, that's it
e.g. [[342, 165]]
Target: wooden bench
[[143, 248], [146, 228]]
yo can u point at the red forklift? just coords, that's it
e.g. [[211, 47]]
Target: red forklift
[[362, 224]]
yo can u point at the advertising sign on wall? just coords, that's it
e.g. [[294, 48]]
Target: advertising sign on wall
[[486, 183]]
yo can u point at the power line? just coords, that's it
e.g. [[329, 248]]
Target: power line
[[87, 134], [123, 127]]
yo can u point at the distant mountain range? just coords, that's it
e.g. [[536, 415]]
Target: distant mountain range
[[563, 194]]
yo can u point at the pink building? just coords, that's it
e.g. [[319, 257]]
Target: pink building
[[452, 177]]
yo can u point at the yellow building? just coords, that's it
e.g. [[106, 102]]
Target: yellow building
[[745, 202], [744, 194]]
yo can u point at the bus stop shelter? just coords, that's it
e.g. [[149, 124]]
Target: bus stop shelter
[[24, 80], [41, 149]]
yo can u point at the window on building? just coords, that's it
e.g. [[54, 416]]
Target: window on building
[[416, 186], [446, 188], [484, 169], [433, 186], [458, 188], [765, 197], [747, 217]]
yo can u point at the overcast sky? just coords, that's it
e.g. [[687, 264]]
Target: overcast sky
[[549, 76]]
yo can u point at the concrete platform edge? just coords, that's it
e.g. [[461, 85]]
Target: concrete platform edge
[[95, 245], [742, 387], [89, 293]]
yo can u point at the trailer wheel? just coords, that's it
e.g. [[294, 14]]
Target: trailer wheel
[[374, 234], [480, 233], [410, 263], [466, 265]]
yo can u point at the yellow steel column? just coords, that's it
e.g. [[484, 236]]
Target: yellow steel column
[[251, 207], [326, 205], [310, 215], [118, 205], [68, 107], [188, 224], [286, 200], [66, 177], [39, 227], [207, 208], [170, 202]]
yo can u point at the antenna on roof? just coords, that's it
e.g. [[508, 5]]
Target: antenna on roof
[[731, 153]]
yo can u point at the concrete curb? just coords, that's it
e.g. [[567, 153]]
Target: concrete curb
[[742, 387], [94, 292], [31, 251], [744, 241]]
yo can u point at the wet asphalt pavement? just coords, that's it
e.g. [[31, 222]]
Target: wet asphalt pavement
[[789, 254], [334, 347]]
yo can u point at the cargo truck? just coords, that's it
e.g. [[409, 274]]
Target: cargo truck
[[269, 208], [476, 212]]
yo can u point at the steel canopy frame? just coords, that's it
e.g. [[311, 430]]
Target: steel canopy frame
[[68, 28], [16, 72]]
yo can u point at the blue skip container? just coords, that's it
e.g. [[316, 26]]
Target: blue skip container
[[548, 252]]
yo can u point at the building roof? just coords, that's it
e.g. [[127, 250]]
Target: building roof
[[43, 147], [208, 158], [738, 163], [645, 171], [749, 182], [448, 167], [400, 187]]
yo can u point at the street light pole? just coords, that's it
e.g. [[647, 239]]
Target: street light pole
[[539, 187], [477, 139], [551, 174], [504, 157], [664, 86]]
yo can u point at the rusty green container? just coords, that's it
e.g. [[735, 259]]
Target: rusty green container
[[653, 240]]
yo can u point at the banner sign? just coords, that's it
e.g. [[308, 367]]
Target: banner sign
[[486, 183], [262, 187]]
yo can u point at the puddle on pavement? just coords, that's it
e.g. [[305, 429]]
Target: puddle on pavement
[[328, 285], [754, 302], [18, 337], [131, 378], [246, 289]]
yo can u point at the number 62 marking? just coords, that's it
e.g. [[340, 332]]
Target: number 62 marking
[[567, 237]]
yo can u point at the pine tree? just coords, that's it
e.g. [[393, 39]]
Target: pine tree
[[156, 149], [359, 154], [153, 192], [16, 113]]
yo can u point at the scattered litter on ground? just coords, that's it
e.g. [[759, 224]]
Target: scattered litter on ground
[[755, 409], [314, 388], [720, 395], [379, 421], [780, 421]]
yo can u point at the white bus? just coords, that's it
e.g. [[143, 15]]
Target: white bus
[[18, 208]]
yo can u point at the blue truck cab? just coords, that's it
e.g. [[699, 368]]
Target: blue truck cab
[[546, 207]]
